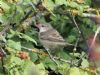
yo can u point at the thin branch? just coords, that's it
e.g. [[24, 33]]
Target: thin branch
[[26, 16], [73, 17], [63, 60], [81, 34], [75, 46], [57, 58], [74, 49], [88, 15], [80, 31], [29, 49]]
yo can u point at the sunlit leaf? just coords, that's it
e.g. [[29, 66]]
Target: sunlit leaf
[[85, 63], [5, 6], [14, 45], [28, 38], [33, 56], [74, 70], [49, 4], [12, 61], [61, 2], [41, 68], [71, 38], [48, 63], [64, 68]]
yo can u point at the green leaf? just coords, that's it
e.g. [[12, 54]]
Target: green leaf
[[14, 45], [5, 6], [63, 69], [14, 72], [2, 19], [20, 10], [12, 61], [61, 2], [85, 63], [71, 38], [21, 35], [73, 4], [3, 38], [49, 63], [63, 54], [33, 56], [49, 4], [41, 68], [89, 2], [35, 1], [31, 69], [12, 33], [74, 71], [28, 38], [1, 73]]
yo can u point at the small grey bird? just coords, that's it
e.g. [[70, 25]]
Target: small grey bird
[[50, 38]]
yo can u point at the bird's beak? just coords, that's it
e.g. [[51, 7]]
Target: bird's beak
[[38, 25]]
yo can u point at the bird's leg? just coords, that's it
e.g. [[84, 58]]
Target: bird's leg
[[51, 57]]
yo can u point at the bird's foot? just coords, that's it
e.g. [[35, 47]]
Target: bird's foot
[[55, 62], [52, 57]]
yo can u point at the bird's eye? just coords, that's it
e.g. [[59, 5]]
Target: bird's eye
[[43, 26]]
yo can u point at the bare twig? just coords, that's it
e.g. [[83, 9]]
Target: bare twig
[[57, 58], [80, 31], [63, 60], [26, 16], [73, 17], [29, 49], [80, 34], [74, 49], [51, 57], [88, 15], [76, 43]]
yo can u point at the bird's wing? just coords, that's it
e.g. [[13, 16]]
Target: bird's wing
[[52, 35]]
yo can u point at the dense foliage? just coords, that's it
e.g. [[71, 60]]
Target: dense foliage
[[20, 50]]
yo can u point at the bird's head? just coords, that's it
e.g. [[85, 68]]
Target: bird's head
[[43, 27]]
